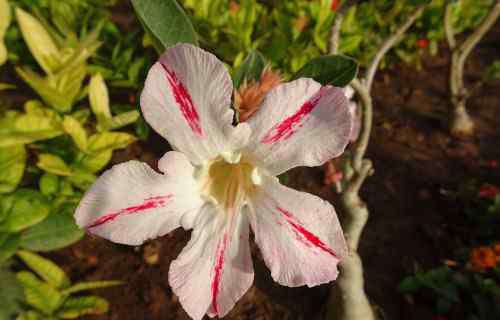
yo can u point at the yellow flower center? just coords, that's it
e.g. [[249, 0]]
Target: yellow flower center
[[228, 184]]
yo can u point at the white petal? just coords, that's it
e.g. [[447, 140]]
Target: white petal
[[131, 203], [215, 269], [299, 123], [298, 234], [186, 99], [175, 164]]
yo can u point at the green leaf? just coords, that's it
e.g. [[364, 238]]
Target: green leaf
[[99, 99], [9, 242], [12, 164], [251, 68], [336, 70], [409, 285], [104, 141], [32, 315], [38, 294], [76, 131], [11, 294], [166, 22], [80, 306], [53, 164], [27, 128], [57, 231], [96, 161], [46, 269], [82, 179], [123, 119], [23, 209], [38, 40], [48, 184], [83, 286], [5, 18]]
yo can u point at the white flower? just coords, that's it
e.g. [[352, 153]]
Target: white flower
[[222, 180]]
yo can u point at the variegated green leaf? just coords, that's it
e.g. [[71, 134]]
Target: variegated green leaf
[[76, 131], [39, 294], [123, 119], [104, 141], [99, 99], [83, 286], [12, 164], [22, 209], [53, 164], [19, 129], [80, 306]]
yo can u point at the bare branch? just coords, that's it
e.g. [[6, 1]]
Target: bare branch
[[359, 149], [448, 27], [388, 44]]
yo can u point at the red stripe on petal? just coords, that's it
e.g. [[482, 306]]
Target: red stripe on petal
[[306, 236], [183, 99], [149, 203], [219, 264], [290, 125]]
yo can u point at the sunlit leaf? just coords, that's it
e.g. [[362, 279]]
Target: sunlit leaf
[[38, 40], [27, 128], [53, 164], [99, 99], [38, 294], [83, 286], [123, 119], [104, 141], [95, 161], [76, 131], [5, 18]]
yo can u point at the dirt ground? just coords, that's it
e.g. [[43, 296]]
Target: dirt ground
[[412, 217]]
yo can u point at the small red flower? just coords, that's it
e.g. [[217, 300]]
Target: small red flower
[[488, 191], [423, 43], [335, 5], [492, 164]]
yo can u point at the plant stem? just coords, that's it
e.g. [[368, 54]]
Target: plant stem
[[461, 123], [388, 44], [348, 300], [337, 25]]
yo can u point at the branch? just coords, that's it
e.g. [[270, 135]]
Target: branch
[[388, 44], [448, 27], [472, 40], [337, 25], [359, 149]]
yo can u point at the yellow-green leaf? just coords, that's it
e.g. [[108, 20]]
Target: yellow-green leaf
[[83, 286], [123, 119], [96, 161], [23, 209], [5, 18], [99, 99], [12, 164], [20, 129], [46, 269], [103, 141], [38, 40], [53, 164], [76, 131], [38, 294]]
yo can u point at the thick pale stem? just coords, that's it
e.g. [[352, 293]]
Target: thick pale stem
[[348, 300], [461, 122]]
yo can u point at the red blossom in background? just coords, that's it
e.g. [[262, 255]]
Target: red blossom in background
[[488, 191], [335, 5], [423, 43]]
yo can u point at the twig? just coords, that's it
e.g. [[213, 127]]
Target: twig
[[448, 27], [337, 25], [388, 44], [366, 126]]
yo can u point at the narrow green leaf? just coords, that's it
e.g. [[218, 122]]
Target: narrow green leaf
[[53, 164], [80, 306], [5, 18], [57, 231], [166, 22], [83, 286], [123, 119], [46, 269], [99, 99], [251, 68], [336, 70]]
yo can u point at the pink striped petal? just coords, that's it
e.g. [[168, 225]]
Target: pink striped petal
[[131, 203], [298, 234], [299, 124], [215, 269], [186, 99]]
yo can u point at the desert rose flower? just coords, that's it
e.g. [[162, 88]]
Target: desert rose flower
[[221, 180]]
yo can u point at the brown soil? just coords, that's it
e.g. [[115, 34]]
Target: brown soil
[[417, 166]]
